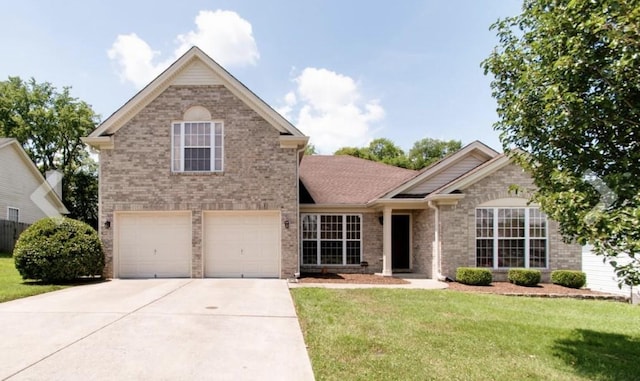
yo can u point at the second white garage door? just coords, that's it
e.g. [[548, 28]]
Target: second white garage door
[[242, 244]]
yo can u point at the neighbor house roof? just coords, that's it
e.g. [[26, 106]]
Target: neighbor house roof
[[343, 179], [51, 195], [179, 71]]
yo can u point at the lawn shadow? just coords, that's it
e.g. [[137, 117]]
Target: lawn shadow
[[75, 282], [601, 355]]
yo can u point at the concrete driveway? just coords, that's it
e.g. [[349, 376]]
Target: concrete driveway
[[169, 329]]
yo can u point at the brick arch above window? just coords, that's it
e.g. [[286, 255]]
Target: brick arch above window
[[196, 113], [507, 202]]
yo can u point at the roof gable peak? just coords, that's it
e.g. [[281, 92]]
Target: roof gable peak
[[193, 67]]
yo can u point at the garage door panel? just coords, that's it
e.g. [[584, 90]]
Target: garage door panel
[[154, 244], [242, 244]]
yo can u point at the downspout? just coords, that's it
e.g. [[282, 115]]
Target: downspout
[[299, 155], [437, 257]]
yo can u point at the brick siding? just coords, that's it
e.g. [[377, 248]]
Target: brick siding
[[458, 226], [258, 174]]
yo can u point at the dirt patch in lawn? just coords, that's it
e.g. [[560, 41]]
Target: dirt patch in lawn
[[350, 278]]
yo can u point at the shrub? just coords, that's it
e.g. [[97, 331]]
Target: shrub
[[569, 278], [474, 276], [58, 250], [524, 277]]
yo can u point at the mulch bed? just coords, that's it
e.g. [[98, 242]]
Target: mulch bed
[[350, 278], [542, 289], [501, 288]]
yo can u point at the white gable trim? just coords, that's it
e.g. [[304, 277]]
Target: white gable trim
[[35, 172], [145, 96], [473, 148], [475, 176]]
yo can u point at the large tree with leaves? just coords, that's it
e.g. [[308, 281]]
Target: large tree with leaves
[[427, 151], [49, 125], [423, 153], [567, 82]]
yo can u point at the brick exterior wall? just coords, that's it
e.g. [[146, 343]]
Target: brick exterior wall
[[458, 226], [258, 174], [423, 240]]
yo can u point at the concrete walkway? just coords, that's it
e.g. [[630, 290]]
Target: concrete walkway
[[170, 329], [414, 283]]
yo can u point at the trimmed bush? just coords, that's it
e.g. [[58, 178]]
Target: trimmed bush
[[524, 277], [474, 276], [58, 250], [569, 278]]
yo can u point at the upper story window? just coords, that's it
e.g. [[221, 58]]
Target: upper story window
[[13, 214], [197, 142], [197, 147]]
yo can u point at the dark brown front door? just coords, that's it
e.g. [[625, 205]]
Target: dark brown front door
[[400, 242]]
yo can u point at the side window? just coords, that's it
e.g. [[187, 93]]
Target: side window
[[13, 214]]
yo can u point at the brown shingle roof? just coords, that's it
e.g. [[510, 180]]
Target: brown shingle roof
[[346, 179]]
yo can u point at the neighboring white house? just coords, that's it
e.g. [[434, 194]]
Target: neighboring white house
[[25, 195], [600, 274]]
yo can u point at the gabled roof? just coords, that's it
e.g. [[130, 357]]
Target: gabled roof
[[346, 179], [475, 175], [100, 137], [475, 148], [35, 172]]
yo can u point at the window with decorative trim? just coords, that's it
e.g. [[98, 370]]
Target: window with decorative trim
[[13, 214], [197, 147], [331, 239], [511, 237]]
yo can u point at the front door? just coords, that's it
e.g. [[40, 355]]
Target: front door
[[400, 242]]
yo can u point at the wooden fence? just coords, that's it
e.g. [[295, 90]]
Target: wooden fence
[[9, 233]]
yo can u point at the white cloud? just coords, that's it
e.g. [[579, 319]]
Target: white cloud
[[224, 35], [329, 108]]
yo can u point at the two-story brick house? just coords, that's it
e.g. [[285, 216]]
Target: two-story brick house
[[201, 178]]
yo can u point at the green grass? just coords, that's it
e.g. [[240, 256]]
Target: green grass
[[381, 334], [13, 287]]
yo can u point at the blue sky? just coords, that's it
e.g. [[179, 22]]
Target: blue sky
[[343, 71]]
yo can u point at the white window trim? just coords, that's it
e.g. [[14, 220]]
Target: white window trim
[[9, 209], [212, 147], [318, 239], [527, 237]]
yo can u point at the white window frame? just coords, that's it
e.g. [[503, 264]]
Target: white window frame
[[17, 213], [527, 236], [319, 239], [212, 146]]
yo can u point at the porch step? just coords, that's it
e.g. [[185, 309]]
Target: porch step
[[410, 275]]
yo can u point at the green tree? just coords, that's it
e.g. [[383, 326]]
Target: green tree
[[567, 82], [385, 151], [310, 150], [427, 151], [362, 153], [49, 124]]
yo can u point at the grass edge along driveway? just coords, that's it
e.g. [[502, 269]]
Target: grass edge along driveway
[[13, 287], [387, 334]]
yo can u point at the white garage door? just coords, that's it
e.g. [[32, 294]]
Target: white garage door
[[242, 244], [154, 245]]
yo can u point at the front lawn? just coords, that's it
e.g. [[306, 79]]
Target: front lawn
[[13, 287], [386, 334]]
